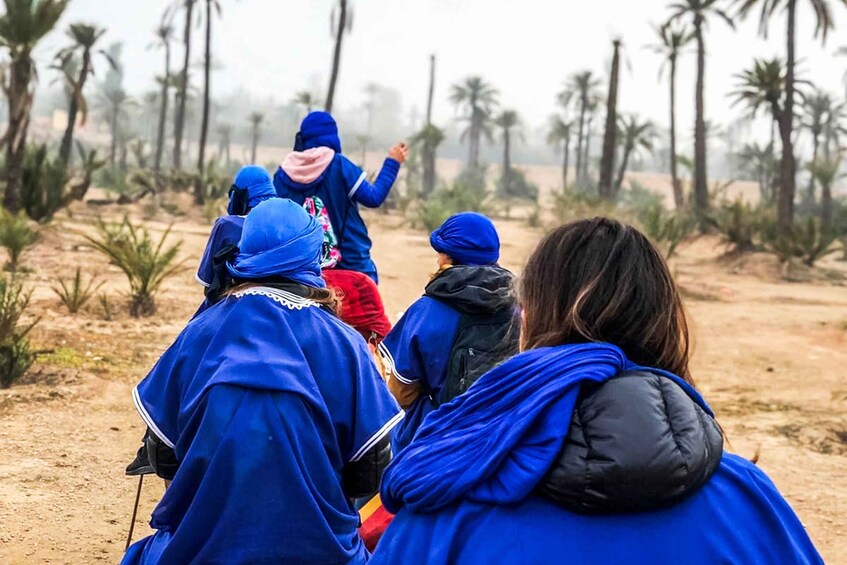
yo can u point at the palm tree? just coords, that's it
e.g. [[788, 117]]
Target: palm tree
[[224, 141], [826, 171], [834, 129], [23, 25], [83, 38], [607, 161], [581, 87], [199, 192], [591, 113], [672, 40], [759, 161], [478, 98], [165, 35], [559, 135], [429, 138], [788, 163], [699, 11], [114, 102], [182, 93], [343, 24], [305, 99], [635, 135], [256, 119], [507, 121], [816, 109]]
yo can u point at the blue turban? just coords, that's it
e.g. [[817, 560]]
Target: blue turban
[[251, 186], [468, 238], [318, 130], [280, 240]]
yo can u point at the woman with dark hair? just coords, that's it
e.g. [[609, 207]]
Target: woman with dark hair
[[592, 445], [273, 412]]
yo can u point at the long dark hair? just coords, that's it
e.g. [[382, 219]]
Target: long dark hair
[[599, 280]]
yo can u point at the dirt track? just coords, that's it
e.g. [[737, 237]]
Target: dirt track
[[770, 357]]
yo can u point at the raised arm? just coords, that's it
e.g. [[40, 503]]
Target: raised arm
[[373, 195]]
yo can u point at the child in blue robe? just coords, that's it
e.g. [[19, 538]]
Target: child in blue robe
[[417, 352], [251, 186], [274, 410], [591, 446], [317, 176]]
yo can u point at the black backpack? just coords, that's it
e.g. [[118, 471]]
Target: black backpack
[[482, 342]]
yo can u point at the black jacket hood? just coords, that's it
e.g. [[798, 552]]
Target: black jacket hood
[[637, 442], [474, 290]]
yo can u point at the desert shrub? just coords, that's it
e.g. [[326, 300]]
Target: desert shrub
[[106, 306], [665, 228], [445, 202], [738, 224], [517, 186], [808, 241], [638, 198], [74, 294], [146, 264], [16, 356], [114, 180], [569, 206], [473, 180], [17, 234]]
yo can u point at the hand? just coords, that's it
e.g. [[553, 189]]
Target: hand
[[399, 152]]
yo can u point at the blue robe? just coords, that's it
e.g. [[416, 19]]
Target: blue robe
[[418, 351], [264, 398], [463, 490]]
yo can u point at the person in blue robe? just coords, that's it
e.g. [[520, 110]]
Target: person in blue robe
[[469, 285], [252, 185], [591, 446], [318, 176], [274, 411]]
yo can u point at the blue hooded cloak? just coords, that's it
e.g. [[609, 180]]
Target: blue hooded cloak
[[264, 397], [464, 491]]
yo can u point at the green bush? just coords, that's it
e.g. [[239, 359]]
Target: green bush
[[570, 206], [146, 264], [17, 235], [808, 241], [665, 228], [445, 202], [739, 224], [638, 198], [16, 356], [517, 186], [74, 294]]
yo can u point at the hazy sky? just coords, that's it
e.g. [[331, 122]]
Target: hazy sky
[[526, 48]]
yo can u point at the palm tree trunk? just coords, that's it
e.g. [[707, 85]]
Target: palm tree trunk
[[826, 206], [199, 190], [336, 56], [810, 196], [579, 140], [179, 124], [565, 164], [431, 90], [163, 116], [788, 166], [113, 126], [678, 196], [586, 156], [506, 184], [624, 163], [428, 158], [607, 161], [473, 145], [701, 182], [255, 142], [20, 103], [73, 110]]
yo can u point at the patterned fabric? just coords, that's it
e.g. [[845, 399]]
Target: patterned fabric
[[331, 254]]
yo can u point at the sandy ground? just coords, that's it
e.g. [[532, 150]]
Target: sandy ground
[[770, 357]]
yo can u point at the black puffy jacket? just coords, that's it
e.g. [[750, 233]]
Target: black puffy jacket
[[636, 442]]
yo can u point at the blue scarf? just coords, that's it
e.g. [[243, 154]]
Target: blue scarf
[[496, 443], [279, 240]]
